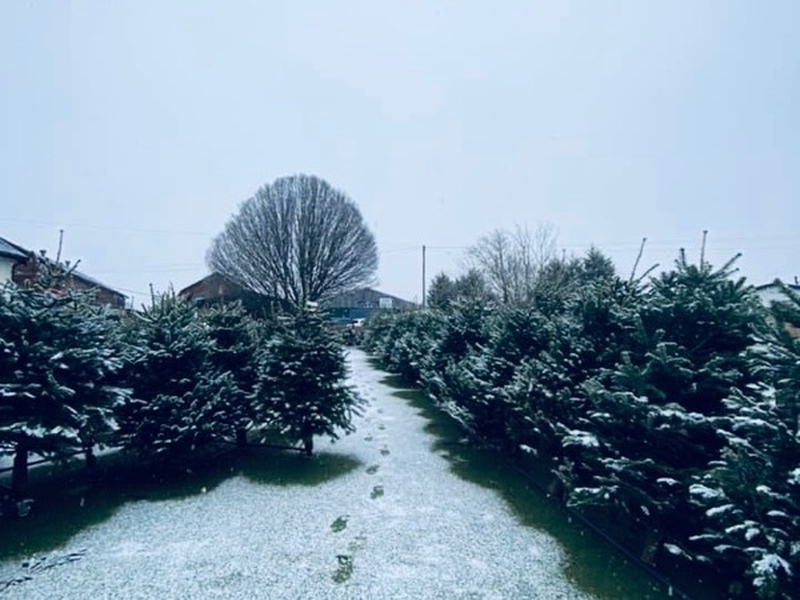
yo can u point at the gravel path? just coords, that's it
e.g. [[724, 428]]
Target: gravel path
[[382, 515]]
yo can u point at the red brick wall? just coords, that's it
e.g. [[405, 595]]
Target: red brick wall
[[24, 274], [211, 288]]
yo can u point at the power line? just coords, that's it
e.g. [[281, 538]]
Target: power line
[[80, 225], [150, 269], [770, 240], [400, 249]]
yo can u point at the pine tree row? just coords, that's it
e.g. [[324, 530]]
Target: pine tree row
[[164, 383], [667, 411]]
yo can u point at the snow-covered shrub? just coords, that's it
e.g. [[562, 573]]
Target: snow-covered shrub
[[752, 523], [237, 340], [517, 333], [302, 390], [378, 332], [541, 389], [57, 373], [606, 311], [654, 412], [465, 327], [469, 393], [405, 342], [708, 319], [180, 401]]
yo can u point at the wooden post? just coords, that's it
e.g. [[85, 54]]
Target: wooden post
[[424, 299]]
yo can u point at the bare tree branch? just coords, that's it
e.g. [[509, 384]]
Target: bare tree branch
[[297, 239], [513, 262]]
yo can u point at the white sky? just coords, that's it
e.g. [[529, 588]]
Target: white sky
[[139, 126]]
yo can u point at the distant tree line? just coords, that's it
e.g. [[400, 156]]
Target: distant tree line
[[164, 383], [667, 410]]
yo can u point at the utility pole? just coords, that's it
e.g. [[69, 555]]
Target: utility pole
[[423, 277], [60, 244]]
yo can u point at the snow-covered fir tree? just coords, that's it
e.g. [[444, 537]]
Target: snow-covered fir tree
[[750, 495], [179, 399], [302, 390], [653, 413], [58, 365], [237, 339]]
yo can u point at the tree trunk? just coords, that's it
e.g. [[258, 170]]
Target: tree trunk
[[91, 458], [557, 491], [651, 547], [241, 437], [19, 474], [308, 445]]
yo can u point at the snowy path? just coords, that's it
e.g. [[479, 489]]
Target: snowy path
[[384, 518]]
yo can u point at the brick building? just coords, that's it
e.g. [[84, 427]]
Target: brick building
[[355, 304], [23, 267], [216, 288]]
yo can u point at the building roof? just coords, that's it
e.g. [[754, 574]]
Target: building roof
[[215, 283], [12, 250], [774, 285], [366, 298], [94, 282]]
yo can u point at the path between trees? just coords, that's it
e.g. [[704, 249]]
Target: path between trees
[[379, 514]]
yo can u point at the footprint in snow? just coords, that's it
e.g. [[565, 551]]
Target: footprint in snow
[[340, 524], [345, 569]]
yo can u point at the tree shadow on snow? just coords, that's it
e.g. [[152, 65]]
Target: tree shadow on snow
[[64, 506], [290, 469], [396, 382]]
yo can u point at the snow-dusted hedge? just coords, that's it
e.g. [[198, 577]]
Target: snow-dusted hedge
[[199, 378], [672, 405], [161, 383]]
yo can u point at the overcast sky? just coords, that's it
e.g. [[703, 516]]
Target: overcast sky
[[139, 126]]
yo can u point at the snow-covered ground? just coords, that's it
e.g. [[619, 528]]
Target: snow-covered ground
[[385, 517]]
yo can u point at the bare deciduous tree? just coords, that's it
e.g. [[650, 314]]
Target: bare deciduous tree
[[512, 262], [298, 239]]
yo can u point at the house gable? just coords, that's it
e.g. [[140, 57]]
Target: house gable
[[22, 267]]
